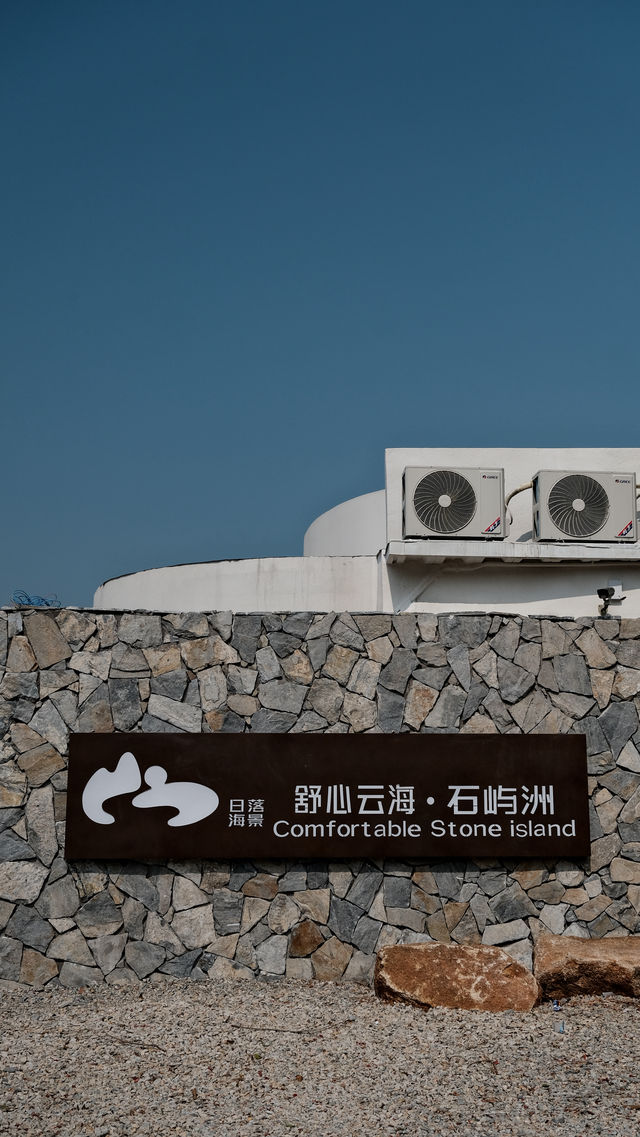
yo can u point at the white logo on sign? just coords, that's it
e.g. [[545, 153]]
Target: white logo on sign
[[192, 800]]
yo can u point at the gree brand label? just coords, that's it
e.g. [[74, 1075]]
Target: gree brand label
[[157, 796]]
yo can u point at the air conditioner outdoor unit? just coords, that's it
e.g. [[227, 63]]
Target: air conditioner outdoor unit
[[584, 506], [454, 502]]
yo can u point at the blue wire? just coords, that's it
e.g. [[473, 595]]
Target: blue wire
[[24, 600]]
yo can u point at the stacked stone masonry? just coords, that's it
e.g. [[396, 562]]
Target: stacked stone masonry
[[70, 670]]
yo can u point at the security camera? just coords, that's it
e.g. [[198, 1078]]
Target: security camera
[[606, 595]]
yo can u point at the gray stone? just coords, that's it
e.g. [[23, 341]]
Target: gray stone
[[628, 653], [512, 904], [317, 650], [271, 955], [13, 848], [458, 660], [71, 946], [344, 631], [590, 727], [41, 825], [364, 887], [77, 975], [137, 884], [308, 722], [151, 725], [397, 891], [227, 912], [495, 934], [95, 716], [143, 958], [395, 675], [19, 683], [46, 639], [434, 677], [326, 698], [529, 656], [242, 680], [140, 629], [183, 965], [99, 916], [432, 654], [448, 709], [282, 695], [506, 641], [298, 623], [575, 705], [405, 626], [126, 663], [271, 722], [495, 707], [28, 927], [514, 681], [364, 678], [10, 958], [171, 684], [178, 714], [470, 630], [603, 851], [267, 664], [49, 724], [572, 674], [373, 626], [21, 880], [365, 935], [595, 650], [284, 644], [619, 723], [295, 880], [390, 710], [195, 927], [283, 914], [66, 703], [448, 879], [246, 636], [107, 951], [343, 918], [554, 640], [547, 676]]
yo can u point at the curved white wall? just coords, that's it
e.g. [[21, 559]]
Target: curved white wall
[[355, 528]]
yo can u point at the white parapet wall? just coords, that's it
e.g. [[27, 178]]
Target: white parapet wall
[[357, 558]]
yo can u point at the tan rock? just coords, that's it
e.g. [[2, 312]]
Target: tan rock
[[253, 909], [529, 878], [626, 683], [314, 903], [24, 738], [479, 724], [602, 685], [470, 976], [21, 657], [380, 650], [593, 908], [339, 663], [624, 870], [297, 666], [595, 650], [437, 928], [419, 701], [305, 939], [423, 901], [330, 960], [36, 969], [426, 881], [567, 966], [162, 659], [243, 705], [361, 713], [454, 910], [46, 639], [197, 654], [262, 885]]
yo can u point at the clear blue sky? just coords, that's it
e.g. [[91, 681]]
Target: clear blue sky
[[247, 245]]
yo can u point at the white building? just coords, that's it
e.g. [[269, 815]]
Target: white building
[[359, 557]]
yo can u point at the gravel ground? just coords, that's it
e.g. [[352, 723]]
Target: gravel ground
[[289, 1057]]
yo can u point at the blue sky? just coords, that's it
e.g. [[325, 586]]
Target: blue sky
[[248, 245]]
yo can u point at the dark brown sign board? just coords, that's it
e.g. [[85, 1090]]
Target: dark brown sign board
[[240, 796]]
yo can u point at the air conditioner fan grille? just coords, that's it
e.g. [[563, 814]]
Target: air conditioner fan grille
[[578, 505], [444, 501]]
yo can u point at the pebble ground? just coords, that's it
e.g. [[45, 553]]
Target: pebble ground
[[267, 1059]]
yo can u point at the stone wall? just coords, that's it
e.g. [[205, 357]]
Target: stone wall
[[73, 670]]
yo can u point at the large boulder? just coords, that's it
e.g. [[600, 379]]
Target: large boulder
[[467, 976], [565, 965]]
